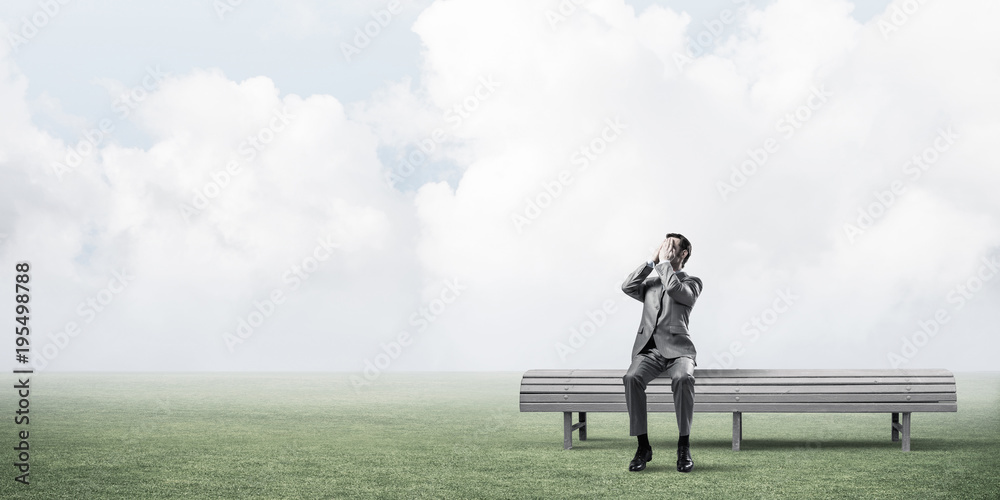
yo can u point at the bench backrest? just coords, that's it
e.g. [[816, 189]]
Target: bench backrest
[[792, 391]]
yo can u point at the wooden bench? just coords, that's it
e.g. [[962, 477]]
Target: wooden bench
[[899, 392]]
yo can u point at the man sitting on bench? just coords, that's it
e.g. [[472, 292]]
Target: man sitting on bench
[[662, 344]]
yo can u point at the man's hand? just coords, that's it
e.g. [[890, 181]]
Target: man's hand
[[658, 252], [666, 251]]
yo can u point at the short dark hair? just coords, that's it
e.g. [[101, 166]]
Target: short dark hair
[[685, 245]]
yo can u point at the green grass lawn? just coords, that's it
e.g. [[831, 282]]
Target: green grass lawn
[[461, 436]]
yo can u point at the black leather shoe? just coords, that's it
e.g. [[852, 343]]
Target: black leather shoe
[[684, 462], [641, 457]]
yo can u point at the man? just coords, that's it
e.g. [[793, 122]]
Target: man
[[662, 344]]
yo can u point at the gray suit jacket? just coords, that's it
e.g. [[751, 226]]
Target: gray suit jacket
[[667, 298]]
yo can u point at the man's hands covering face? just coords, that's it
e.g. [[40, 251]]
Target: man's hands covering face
[[666, 251]]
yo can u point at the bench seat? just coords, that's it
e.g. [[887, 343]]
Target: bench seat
[[898, 392]]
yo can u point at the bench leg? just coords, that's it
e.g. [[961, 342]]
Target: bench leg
[[567, 430], [906, 431], [737, 429], [569, 427], [903, 427], [895, 427]]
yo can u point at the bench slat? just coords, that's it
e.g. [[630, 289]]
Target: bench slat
[[750, 407], [745, 389]]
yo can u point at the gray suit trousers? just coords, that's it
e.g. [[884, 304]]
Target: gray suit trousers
[[645, 367]]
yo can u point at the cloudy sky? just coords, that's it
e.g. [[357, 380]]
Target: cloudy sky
[[214, 185]]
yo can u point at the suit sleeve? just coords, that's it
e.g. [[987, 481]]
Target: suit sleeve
[[633, 285], [686, 292]]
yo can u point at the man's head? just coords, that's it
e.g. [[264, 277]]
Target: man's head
[[682, 248]]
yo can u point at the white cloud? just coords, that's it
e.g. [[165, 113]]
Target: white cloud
[[523, 143], [685, 132]]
